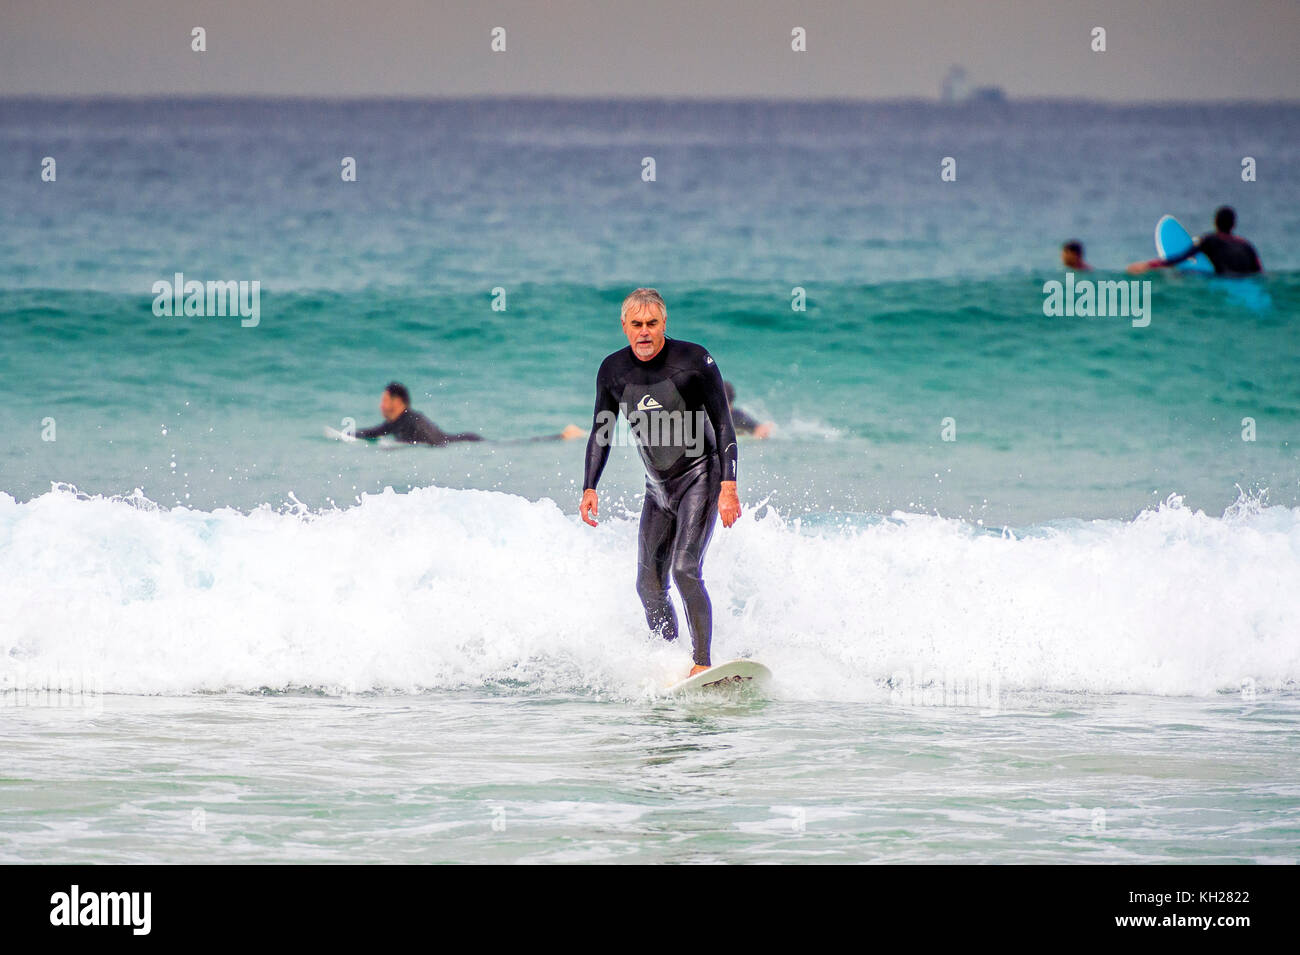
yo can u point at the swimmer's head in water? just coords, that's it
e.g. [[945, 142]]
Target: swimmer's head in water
[[1225, 218], [394, 401], [1072, 254], [645, 322]]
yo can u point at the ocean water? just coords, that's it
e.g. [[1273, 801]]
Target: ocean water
[[1072, 633]]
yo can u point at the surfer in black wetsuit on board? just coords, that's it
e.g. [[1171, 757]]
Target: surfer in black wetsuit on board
[[1229, 254], [407, 426], [741, 420], [672, 395]]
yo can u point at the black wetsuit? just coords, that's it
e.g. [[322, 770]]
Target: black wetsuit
[[411, 427], [744, 423], [677, 412], [1229, 254]]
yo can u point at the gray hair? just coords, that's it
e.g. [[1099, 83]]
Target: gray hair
[[644, 298]]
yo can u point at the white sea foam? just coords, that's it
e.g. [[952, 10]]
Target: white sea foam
[[447, 588]]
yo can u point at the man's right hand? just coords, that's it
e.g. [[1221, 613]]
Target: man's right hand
[[589, 506]]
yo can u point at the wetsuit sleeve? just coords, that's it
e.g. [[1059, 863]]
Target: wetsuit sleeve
[[419, 429], [742, 421], [602, 431], [1175, 259], [719, 411], [379, 430], [462, 436]]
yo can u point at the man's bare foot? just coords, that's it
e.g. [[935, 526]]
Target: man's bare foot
[[698, 669]]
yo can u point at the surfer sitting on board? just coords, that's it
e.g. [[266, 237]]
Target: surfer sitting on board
[[1229, 254], [672, 395], [408, 426]]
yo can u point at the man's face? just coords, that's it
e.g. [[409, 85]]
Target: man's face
[[645, 329], [391, 407], [1071, 259]]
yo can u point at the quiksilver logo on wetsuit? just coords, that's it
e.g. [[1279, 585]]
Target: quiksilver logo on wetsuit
[[647, 403]]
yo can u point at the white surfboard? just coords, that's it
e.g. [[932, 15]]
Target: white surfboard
[[734, 674], [383, 444]]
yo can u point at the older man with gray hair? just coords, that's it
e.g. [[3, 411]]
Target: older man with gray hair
[[671, 393]]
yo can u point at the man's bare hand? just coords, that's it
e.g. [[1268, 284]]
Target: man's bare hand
[[728, 503], [590, 506]]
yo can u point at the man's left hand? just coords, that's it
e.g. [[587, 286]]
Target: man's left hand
[[728, 504]]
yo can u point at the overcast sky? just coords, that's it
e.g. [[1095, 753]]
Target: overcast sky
[[1156, 49]]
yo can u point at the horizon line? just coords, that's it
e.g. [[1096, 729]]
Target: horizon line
[[719, 99]]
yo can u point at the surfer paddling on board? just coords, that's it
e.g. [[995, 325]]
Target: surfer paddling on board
[[408, 426], [744, 422], [672, 395], [1229, 254]]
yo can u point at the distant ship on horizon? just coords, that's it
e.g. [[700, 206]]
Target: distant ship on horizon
[[957, 89]]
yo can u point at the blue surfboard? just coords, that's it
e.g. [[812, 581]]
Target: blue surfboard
[[1172, 239]]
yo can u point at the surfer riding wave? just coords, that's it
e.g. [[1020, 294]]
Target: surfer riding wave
[[672, 395]]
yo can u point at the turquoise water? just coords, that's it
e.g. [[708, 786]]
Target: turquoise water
[[390, 642], [1054, 417]]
